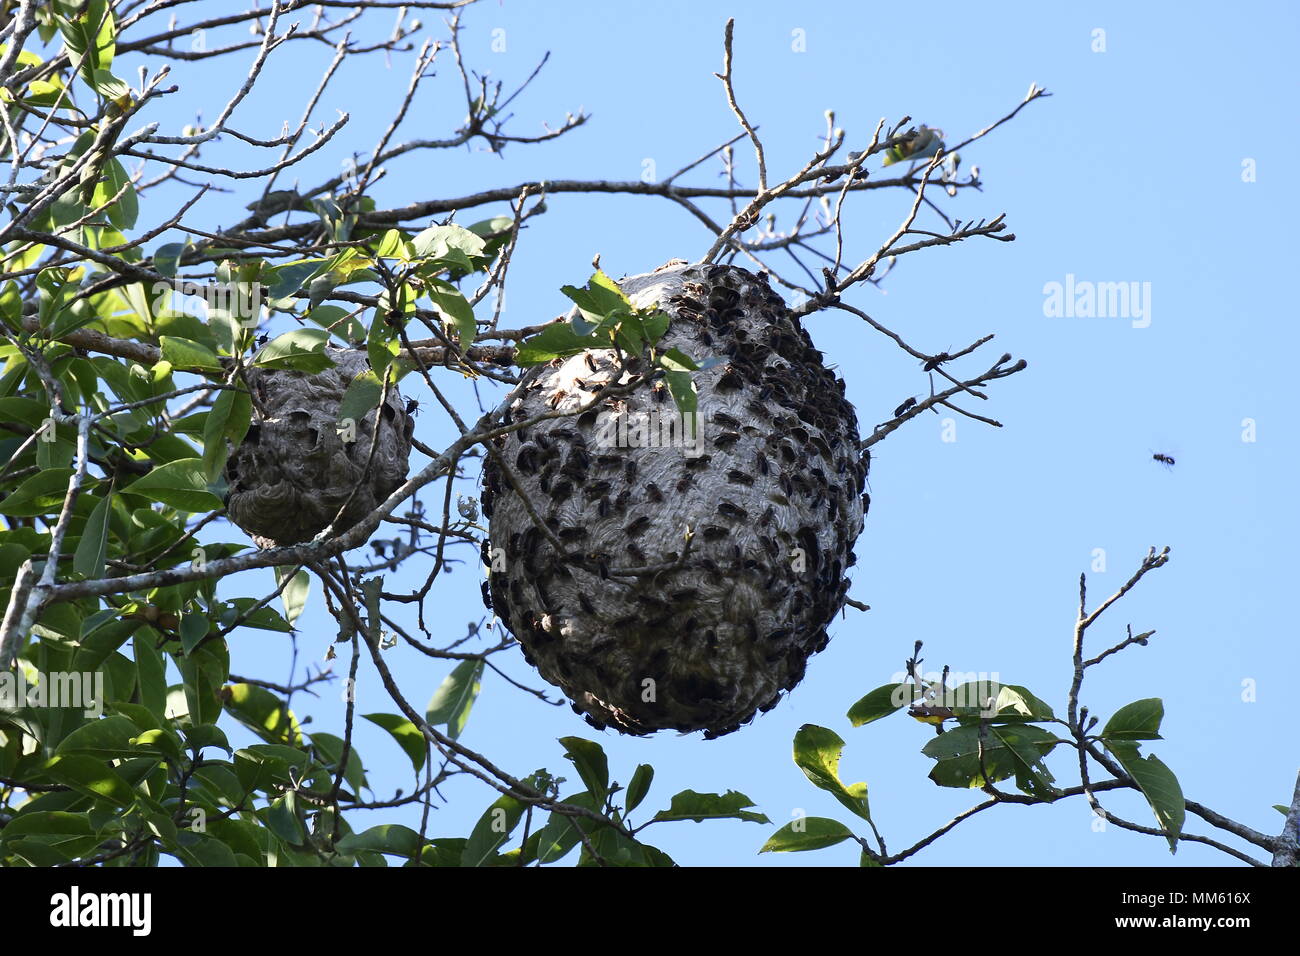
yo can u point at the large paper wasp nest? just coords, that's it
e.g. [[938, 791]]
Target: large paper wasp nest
[[299, 464], [643, 628]]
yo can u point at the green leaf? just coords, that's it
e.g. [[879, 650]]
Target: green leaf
[[294, 595], [628, 331], [1139, 720], [555, 341], [681, 385], [881, 702], [263, 713], [329, 751], [562, 833], [1159, 786], [611, 848], [204, 672], [26, 410], [319, 289], [202, 736], [675, 360], [44, 92], [807, 833], [227, 421], [208, 851], [245, 839], [45, 838], [1014, 700], [92, 549], [61, 619], [391, 838], [593, 766], [285, 280], [194, 628], [1032, 775], [439, 242], [92, 777], [491, 227], [454, 307], [383, 341], [167, 258], [640, 786], [282, 819], [107, 738], [345, 327], [37, 853], [264, 618], [361, 396], [167, 448], [689, 805], [392, 246], [138, 714], [56, 828], [181, 484], [179, 325], [157, 741], [124, 212], [222, 783], [1008, 750], [260, 771], [655, 325], [189, 355], [525, 853], [443, 851], [151, 672], [301, 350], [101, 636], [599, 298], [60, 453], [406, 734], [492, 831], [89, 34], [817, 753], [40, 494], [452, 701], [13, 554]]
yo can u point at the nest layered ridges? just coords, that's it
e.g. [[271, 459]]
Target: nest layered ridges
[[300, 463]]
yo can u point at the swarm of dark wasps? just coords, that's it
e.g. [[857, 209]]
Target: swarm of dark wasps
[[667, 590]]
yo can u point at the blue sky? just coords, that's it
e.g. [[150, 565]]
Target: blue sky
[[1131, 172]]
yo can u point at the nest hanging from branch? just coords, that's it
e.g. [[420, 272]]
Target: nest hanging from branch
[[643, 627], [299, 464]]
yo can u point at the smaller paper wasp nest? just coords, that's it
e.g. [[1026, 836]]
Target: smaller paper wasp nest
[[299, 464]]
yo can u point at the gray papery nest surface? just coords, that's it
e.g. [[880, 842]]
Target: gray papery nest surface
[[296, 467], [640, 629]]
